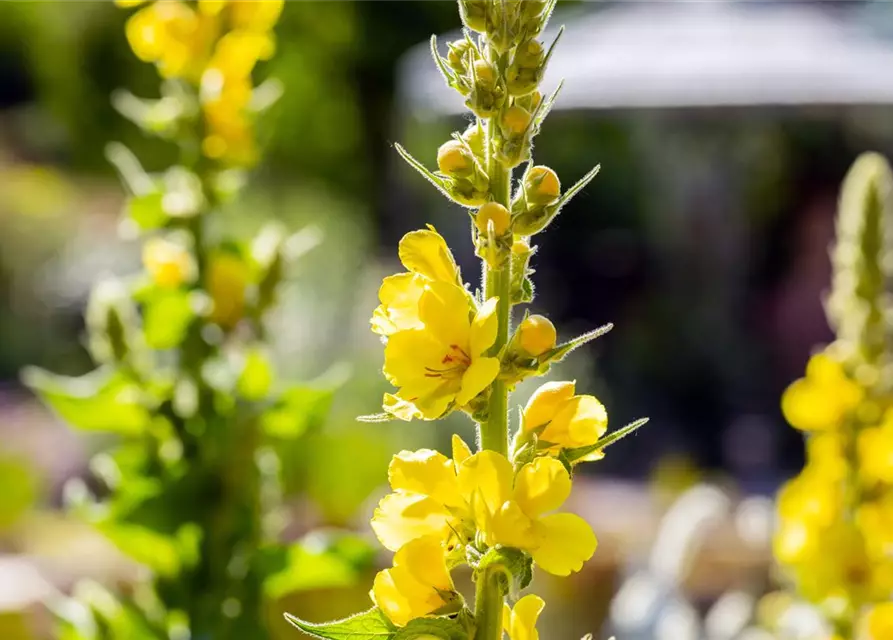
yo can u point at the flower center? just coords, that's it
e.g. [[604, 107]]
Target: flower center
[[455, 362]]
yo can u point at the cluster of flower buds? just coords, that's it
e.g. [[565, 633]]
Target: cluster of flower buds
[[506, 23]]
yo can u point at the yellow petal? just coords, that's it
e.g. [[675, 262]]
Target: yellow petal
[[401, 517], [424, 557], [809, 407], [426, 252], [524, 616], [566, 541], [484, 327], [545, 403], [506, 617], [461, 451], [509, 526], [387, 597], [486, 479], [426, 472], [406, 356], [400, 408], [541, 486], [579, 422], [399, 295], [444, 310], [476, 378]]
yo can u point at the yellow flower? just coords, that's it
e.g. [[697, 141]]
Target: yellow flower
[[425, 499], [875, 447], [427, 258], [880, 621], [520, 622], [417, 585], [173, 36], [256, 15], [169, 264], [512, 514], [875, 521], [565, 420], [226, 283], [441, 364], [821, 400]]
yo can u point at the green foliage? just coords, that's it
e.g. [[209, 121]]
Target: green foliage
[[19, 490], [369, 625], [427, 628]]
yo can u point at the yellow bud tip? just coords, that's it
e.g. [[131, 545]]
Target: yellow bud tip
[[541, 185], [520, 247], [536, 335], [494, 211], [484, 72], [452, 157], [516, 120], [167, 263]]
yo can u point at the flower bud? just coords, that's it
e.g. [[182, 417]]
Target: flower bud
[[527, 68], [530, 101], [453, 159], [476, 138], [515, 121], [541, 186], [536, 335], [467, 193], [457, 57], [520, 247], [485, 73], [169, 264], [498, 214], [474, 14]]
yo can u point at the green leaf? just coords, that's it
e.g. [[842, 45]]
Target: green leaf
[[369, 625], [167, 318], [19, 491], [558, 353], [443, 628], [579, 452], [437, 181], [256, 378], [159, 552], [514, 562], [297, 410], [147, 210], [98, 401], [373, 418]]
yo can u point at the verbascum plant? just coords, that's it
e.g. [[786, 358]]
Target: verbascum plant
[[836, 518], [449, 349], [189, 488]]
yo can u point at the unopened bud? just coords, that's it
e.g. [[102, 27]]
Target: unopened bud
[[515, 121], [453, 159], [474, 14], [485, 73], [530, 101], [476, 138], [541, 186], [526, 70], [458, 54], [520, 247], [536, 335], [498, 214], [168, 263]]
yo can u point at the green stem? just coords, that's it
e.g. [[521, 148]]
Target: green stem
[[488, 604]]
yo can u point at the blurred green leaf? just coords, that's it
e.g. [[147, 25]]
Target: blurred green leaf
[[101, 400], [147, 210], [257, 375], [167, 318], [19, 491], [369, 625], [159, 552], [297, 410]]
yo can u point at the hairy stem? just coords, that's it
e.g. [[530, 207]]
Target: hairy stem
[[488, 604]]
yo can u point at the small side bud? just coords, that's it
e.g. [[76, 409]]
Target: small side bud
[[487, 95], [521, 286], [530, 102], [458, 55], [474, 14], [541, 186], [495, 213], [536, 335], [454, 160], [527, 68], [476, 138], [515, 122]]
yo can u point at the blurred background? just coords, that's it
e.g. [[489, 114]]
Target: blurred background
[[723, 129]]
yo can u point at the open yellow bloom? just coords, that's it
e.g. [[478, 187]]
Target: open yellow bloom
[[442, 364], [426, 500], [173, 36], [875, 448], [512, 513], [821, 400], [520, 622], [427, 258], [564, 420], [417, 585]]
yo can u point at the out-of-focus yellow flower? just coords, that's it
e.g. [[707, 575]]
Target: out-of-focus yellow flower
[[256, 15], [442, 364], [172, 35], [425, 501], [875, 520], [169, 264], [565, 420], [875, 447], [417, 585], [427, 258], [879, 621], [226, 282], [512, 514], [128, 4], [821, 400], [520, 622]]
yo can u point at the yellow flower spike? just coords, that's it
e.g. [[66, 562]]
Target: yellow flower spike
[[169, 264], [565, 420], [417, 585], [520, 622], [427, 258], [442, 364], [536, 335], [821, 400], [541, 186], [173, 36], [495, 212]]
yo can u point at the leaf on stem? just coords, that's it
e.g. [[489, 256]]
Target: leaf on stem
[[368, 625], [441, 628], [580, 452], [436, 180], [558, 353]]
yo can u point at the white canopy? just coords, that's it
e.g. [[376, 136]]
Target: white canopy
[[689, 54]]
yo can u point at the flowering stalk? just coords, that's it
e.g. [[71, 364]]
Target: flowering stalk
[[834, 532], [190, 490], [447, 349]]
